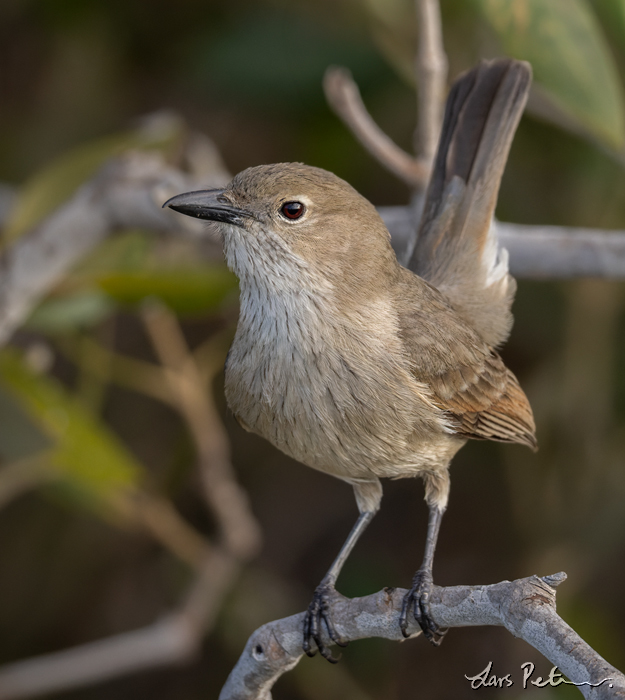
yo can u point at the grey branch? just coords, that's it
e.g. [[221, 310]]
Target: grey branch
[[431, 72], [126, 193], [537, 252], [344, 97], [525, 607], [170, 640]]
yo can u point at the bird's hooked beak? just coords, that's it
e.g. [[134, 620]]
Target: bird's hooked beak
[[209, 205]]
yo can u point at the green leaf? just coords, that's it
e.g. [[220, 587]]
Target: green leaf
[[185, 291], [612, 15], [95, 469], [60, 315], [21, 437], [570, 57], [56, 182], [129, 250]]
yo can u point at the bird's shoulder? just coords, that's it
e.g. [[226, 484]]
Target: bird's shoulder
[[468, 380]]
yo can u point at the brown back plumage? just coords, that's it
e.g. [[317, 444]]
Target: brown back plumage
[[457, 249]]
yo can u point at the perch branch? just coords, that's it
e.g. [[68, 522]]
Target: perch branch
[[525, 607], [431, 71]]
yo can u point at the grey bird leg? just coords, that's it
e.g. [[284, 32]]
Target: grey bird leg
[[422, 583], [319, 608]]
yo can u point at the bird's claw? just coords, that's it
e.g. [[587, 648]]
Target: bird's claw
[[318, 611], [418, 598]]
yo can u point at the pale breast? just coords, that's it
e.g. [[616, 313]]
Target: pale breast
[[326, 390]]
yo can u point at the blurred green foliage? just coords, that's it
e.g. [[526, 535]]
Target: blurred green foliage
[[572, 63], [92, 465], [78, 75]]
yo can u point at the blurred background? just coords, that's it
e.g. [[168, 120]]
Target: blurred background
[[81, 427]]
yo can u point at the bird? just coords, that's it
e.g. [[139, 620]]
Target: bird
[[360, 367]]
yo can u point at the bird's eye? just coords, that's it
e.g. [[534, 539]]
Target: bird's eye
[[293, 210]]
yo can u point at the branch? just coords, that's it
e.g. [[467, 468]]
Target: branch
[[177, 637], [221, 491], [173, 639], [344, 97], [126, 193], [431, 70], [538, 252], [525, 607]]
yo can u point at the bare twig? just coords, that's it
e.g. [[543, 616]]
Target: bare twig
[[140, 376], [344, 97], [23, 475], [526, 608], [431, 71], [221, 491], [163, 522], [173, 639], [177, 637]]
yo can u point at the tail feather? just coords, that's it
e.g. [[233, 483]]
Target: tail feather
[[457, 249]]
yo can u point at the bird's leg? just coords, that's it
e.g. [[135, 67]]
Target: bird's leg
[[422, 583], [319, 608]]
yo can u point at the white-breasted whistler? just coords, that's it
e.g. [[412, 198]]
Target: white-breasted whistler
[[355, 365]]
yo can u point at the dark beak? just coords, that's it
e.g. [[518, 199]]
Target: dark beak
[[209, 205]]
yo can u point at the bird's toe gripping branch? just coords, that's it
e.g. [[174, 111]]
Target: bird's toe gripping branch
[[318, 612], [418, 600]]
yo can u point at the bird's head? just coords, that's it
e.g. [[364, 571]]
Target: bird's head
[[274, 217]]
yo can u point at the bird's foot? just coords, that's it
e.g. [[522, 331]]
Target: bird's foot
[[318, 611], [418, 599]]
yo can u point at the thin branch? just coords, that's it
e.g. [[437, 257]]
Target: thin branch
[[23, 475], [167, 526], [431, 70], [563, 252], [222, 493], [173, 639], [138, 375], [525, 607], [177, 637], [344, 97]]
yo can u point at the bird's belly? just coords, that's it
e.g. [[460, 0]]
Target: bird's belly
[[327, 412]]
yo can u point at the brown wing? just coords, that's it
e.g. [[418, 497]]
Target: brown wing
[[468, 380], [486, 402]]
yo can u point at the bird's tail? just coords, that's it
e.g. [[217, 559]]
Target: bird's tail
[[457, 249]]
